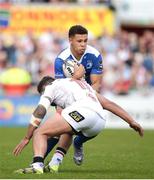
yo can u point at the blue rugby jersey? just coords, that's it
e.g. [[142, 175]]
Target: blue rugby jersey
[[91, 60]]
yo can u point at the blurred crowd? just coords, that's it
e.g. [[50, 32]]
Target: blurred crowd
[[128, 61], [128, 58]]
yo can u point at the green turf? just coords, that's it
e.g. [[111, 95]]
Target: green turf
[[113, 154]]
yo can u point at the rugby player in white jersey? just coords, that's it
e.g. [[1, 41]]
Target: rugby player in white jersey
[[83, 112]]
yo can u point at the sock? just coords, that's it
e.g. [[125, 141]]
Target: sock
[[38, 163], [38, 159], [80, 139], [51, 142], [58, 156]]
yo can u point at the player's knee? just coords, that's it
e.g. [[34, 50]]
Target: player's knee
[[41, 132], [36, 133]]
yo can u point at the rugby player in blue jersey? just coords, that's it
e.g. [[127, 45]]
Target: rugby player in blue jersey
[[91, 60]]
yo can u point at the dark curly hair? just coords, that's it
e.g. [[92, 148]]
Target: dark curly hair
[[46, 80]]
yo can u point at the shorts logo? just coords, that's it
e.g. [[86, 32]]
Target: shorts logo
[[76, 116]]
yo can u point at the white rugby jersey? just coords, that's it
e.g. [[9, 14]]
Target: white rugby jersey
[[91, 60], [65, 92]]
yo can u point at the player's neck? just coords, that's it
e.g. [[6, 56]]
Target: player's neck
[[77, 56]]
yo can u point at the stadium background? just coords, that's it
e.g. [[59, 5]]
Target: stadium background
[[32, 33]]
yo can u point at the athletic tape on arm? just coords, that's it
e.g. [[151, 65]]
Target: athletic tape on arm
[[35, 121]]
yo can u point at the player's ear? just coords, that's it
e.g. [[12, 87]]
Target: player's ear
[[70, 39]]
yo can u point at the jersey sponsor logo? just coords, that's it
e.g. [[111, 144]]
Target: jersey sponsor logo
[[76, 116], [89, 64]]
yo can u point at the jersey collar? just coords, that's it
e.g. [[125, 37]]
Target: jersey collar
[[79, 61]]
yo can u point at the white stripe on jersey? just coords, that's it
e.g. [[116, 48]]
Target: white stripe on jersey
[[64, 54], [67, 52], [92, 50]]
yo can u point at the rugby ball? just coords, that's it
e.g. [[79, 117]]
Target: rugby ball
[[68, 68]]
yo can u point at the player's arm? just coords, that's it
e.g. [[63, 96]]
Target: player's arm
[[79, 71], [96, 81], [58, 68], [96, 73], [35, 121], [119, 111]]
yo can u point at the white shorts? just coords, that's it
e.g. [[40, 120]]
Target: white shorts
[[84, 119]]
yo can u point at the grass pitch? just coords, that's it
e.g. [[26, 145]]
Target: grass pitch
[[117, 154]]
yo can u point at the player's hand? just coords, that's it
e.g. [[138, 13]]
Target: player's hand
[[79, 71], [137, 128], [17, 150]]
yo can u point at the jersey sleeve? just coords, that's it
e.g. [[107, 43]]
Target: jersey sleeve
[[97, 65], [47, 97], [58, 68]]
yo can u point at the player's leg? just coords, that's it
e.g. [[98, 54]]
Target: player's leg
[[52, 141], [54, 127], [63, 145], [79, 140], [64, 142], [88, 122], [78, 148], [86, 136]]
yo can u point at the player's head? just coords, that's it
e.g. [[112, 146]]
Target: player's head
[[78, 37], [46, 80], [77, 29]]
